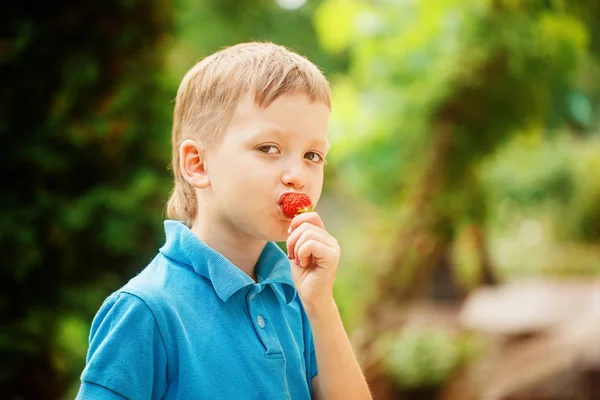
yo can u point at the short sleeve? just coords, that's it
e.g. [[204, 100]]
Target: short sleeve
[[127, 355]]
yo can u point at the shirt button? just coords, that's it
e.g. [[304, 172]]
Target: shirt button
[[260, 321], [252, 296]]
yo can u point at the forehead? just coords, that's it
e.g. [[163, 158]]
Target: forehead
[[294, 115]]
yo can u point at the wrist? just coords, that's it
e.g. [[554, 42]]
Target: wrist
[[320, 309]]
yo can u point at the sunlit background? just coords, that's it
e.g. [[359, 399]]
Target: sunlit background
[[463, 182]]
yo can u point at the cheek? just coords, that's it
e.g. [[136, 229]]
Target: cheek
[[253, 190], [316, 187], [235, 175]]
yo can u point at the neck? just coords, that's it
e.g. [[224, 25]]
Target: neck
[[241, 249]]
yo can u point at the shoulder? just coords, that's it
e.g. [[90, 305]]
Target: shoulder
[[164, 283], [168, 289], [122, 311]]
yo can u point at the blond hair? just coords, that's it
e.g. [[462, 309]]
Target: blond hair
[[211, 90]]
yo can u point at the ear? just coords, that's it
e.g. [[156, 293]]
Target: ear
[[191, 163]]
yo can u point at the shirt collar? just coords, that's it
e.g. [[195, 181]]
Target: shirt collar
[[183, 246]]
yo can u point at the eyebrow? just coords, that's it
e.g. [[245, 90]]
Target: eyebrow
[[281, 133]]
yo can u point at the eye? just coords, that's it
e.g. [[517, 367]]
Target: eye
[[316, 157], [268, 149]]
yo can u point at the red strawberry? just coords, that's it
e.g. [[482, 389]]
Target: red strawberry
[[293, 204]]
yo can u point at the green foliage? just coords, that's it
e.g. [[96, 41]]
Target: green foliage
[[486, 68], [420, 357], [529, 170], [85, 128], [557, 177], [202, 27], [517, 84], [467, 258], [544, 201]]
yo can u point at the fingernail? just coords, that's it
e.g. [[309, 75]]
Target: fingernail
[[290, 230]]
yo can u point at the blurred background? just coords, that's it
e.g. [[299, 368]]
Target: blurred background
[[463, 182]]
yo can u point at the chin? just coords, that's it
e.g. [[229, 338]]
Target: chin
[[274, 236], [277, 234], [280, 233]]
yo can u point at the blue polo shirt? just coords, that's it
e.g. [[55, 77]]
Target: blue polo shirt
[[192, 325]]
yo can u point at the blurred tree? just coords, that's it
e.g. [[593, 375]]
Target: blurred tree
[[202, 27], [85, 132], [434, 87]]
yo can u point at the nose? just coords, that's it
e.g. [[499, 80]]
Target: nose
[[294, 176]]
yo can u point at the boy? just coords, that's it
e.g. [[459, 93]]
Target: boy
[[221, 312]]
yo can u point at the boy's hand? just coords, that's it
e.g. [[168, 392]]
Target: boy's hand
[[315, 256]]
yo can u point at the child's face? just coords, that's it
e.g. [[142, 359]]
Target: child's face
[[265, 153]]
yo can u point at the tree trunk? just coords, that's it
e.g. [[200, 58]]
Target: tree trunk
[[421, 246]]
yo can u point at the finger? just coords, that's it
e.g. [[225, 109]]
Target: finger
[[295, 235], [301, 231], [311, 217], [319, 236], [313, 250]]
